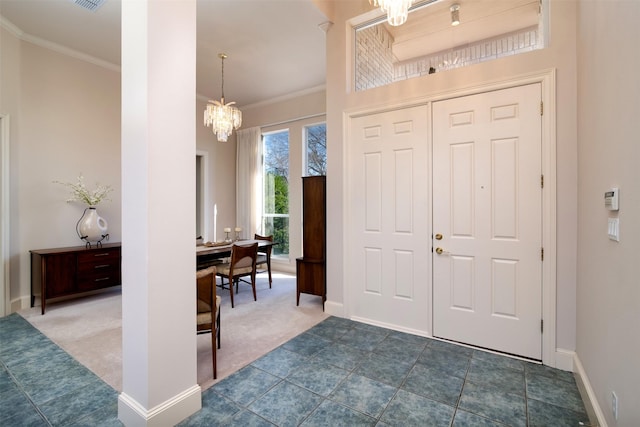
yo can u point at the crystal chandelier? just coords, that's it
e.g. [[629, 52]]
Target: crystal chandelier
[[223, 118], [397, 10]]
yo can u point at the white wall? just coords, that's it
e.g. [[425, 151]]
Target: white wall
[[608, 293], [560, 55]]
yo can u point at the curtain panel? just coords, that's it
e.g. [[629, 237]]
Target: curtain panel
[[249, 181]]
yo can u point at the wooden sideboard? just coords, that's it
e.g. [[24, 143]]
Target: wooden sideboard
[[63, 272], [310, 269]]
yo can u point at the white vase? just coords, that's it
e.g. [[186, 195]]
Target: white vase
[[92, 227]]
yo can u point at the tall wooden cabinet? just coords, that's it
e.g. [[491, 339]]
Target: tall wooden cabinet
[[310, 268]]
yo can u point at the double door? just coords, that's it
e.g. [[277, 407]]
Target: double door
[[446, 220]]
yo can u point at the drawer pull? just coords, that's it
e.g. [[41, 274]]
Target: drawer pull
[[102, 254], [102, 279], [102, 266]]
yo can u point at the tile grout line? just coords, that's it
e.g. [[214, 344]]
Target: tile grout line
[[464, 382], [24, 393]]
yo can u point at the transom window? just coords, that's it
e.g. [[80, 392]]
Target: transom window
[[315, 139]]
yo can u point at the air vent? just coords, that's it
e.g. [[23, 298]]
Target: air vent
[[91, 5]]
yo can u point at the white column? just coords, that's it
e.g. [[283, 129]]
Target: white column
[[159, 386]]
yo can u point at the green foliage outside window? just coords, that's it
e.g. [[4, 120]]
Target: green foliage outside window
[[276, 190], [276, 220]]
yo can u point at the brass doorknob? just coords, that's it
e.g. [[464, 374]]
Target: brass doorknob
[[439, 251], [438, 236]]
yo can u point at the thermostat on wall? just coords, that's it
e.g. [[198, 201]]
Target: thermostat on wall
[[611, 199]]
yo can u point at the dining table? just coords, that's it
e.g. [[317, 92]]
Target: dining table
[[210, 253]]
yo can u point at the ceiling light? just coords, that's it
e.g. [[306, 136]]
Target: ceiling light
[[91, 5], [397, 10], [455, 14], [223, 118]]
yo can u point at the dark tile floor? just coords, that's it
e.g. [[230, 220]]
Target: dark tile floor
[[42, 385], [338, 373]]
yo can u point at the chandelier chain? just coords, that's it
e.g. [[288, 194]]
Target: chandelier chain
[[222, 57]]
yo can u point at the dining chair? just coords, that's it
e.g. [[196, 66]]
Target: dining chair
[[242, 264], [208, 311], [264, 256]]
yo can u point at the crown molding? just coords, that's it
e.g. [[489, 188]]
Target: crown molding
[[17, 32]]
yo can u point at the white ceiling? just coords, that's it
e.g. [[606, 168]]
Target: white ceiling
[[275, 47], [428, 30]]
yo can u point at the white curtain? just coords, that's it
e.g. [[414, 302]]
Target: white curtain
[[249, 181]]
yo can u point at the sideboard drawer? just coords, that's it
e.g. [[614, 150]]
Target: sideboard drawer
[[97, 265], [99, 256], [98, 269], [98, 280]]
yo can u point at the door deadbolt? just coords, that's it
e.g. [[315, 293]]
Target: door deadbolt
[[438, 236]]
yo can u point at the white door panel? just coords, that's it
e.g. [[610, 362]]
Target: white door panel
[[487, 205], [389, 258]]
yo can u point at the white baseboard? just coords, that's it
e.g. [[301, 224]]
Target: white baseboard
[[168, 413], [20, 303], [334, 308], [392, 327], [596, 416], [564, 359]]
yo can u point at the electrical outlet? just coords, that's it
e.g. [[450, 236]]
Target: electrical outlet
[[614, 405]]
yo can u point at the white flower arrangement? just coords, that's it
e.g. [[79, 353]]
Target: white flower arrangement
[[80, 193]]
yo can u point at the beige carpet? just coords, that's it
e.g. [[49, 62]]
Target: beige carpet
[[90, 328]]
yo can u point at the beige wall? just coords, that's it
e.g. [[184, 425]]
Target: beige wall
[[58, 131], [291, 114], [222, 174], [608, 293], [559, 55], [65, 119]]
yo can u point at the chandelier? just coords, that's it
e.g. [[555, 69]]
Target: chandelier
[[223, 118], [397, 10]]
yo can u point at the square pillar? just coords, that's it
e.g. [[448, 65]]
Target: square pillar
[[159, 351]]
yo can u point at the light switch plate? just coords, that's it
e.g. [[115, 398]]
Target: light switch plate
[[614, 229]]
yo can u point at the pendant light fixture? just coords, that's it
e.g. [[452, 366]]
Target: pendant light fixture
[[455, 15], [397, 10], [223, 118]]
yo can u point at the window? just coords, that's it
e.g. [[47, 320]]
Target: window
[[275, 210], [384, 54], [315, 138]]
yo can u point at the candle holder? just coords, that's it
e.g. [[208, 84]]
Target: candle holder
[[238, 230], [227, 239]]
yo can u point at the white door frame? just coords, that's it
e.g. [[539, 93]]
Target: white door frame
[[205, 199], [547, 79], [5, 295]]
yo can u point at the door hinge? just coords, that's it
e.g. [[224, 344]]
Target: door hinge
[[541, 325], [541, 254], [541, 108], [541, 181]]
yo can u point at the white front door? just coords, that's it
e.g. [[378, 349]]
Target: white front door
[[389, 219], [487, 220]]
